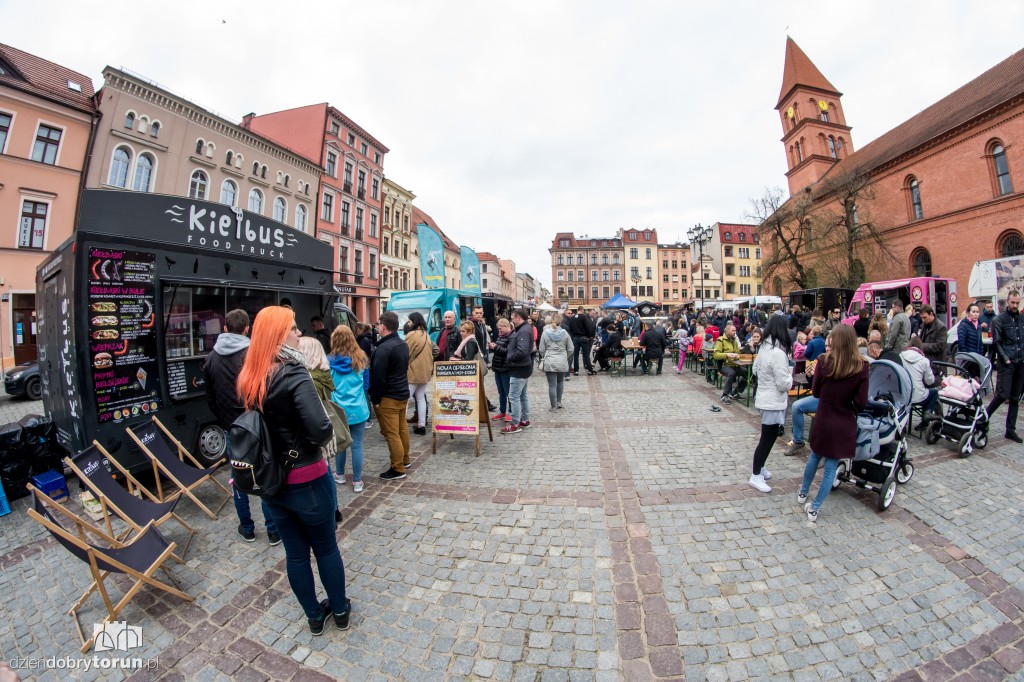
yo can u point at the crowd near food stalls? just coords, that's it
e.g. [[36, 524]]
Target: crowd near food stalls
[[938, 292], [133, 303], [764, 302], [822, 298]]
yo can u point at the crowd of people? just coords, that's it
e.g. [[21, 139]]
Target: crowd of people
[[319, 392]]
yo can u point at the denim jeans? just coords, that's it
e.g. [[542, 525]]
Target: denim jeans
[[556, 384], [304, 516], [801, 408], [519, 401], [242, 502], [502, 381], [581, 344], [827, 479], [357, 453]]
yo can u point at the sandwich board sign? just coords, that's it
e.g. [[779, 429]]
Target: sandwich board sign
[[460, 406]]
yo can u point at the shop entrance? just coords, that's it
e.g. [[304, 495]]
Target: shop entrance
[[23, 327]]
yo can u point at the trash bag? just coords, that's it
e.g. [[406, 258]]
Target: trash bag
[[10, 437], [35, 426]]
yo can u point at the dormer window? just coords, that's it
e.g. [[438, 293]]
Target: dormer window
[[728, 236], [75, 87]]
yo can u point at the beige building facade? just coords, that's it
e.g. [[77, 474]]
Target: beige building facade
[[640, 248], [397, 247], [46, 118], [152, 140]]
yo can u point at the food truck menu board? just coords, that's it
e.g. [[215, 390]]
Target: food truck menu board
[[456, 397], [122, 333]]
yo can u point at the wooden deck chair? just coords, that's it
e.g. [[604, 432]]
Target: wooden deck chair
[[168, 457], [139, 558], [136, 512]]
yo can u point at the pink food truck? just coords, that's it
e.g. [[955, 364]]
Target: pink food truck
[[938, 292]]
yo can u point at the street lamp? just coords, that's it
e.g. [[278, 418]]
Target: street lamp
[[700, 236], [636, 284]]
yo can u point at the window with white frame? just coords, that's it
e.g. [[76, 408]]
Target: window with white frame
[[143, 173], [256, 201], [197, 185], [32, 230], [47, 143], [229, 193], [327, 208], [332, 164], [280, 210], [119, 164], [300, 218], [5, 129]]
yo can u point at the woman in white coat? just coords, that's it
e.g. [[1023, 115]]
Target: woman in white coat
[[774, 379], [555, 349]]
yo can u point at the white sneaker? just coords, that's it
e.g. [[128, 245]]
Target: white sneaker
[[357, 486], [765, 474], [812, 515], [758, 483], [801, 498], [340, 480]]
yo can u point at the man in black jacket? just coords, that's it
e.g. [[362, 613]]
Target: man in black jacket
[[389, 393], [448, 340], [519, 361], [220, 372], [1008, 341], [583, 330]]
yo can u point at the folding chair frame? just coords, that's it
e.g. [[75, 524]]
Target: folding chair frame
[[159, 468], [133, 484], [99, 575]]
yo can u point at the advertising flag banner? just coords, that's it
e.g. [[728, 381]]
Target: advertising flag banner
[[431, 257], [470, 269]]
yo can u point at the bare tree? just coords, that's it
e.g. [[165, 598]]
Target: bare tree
[[781, 226]]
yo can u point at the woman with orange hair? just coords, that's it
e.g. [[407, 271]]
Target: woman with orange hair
[[275, 381]]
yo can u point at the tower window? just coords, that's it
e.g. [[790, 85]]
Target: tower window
[[799, 153], [832, 146]]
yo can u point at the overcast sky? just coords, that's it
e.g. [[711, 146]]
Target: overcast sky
[[513, 120]]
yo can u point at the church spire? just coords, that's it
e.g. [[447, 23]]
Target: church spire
[[800, 71]]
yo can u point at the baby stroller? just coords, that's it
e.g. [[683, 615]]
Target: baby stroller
[[964, 420], [881, 459]]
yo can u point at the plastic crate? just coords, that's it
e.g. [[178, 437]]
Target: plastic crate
[[52, 483]]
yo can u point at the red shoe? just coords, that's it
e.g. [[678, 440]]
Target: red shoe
[[499, 417], [524, 425], [511, 428]]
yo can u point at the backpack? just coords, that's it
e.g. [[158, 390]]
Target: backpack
[[254, 469]]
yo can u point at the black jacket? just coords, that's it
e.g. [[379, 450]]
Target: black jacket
[[1008, 336], [480, 332], [389, 374], [519, 358], [365, 342], [471, 351], [933, 340], [582, 327], [221, 375], [451, 344], [860, 326], [295, 415], [654, 342], [498, 353]]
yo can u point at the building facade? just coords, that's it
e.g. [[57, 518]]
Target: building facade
[[706, 279], [673, 273], [740, 259], [452, 253], [349, 204], [640, 250], [47, 115], [508, 278], [586, 271], [526, 288], [152, 140], [396, 247], [490, 273], [943, 187]]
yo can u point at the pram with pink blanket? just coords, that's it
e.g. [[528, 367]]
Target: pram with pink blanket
[[961, 403]]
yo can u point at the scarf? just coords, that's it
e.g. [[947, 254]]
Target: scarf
[[289, 354]]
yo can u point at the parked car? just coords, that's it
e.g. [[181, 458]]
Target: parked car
[[24, 380]]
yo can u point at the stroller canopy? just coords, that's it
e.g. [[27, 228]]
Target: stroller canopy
[[978, 366], [889, 382]]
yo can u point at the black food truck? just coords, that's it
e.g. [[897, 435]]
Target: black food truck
[[133, 302], [822, 298]]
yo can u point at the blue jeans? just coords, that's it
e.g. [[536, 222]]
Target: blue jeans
[[800, 408], [930, 401], [242, 502], [827, 479], [357, 453], [304, 515], [502, 380], [519, 401]]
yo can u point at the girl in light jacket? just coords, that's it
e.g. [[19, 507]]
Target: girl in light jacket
[[349, 369], [774, 379], [555, 349]]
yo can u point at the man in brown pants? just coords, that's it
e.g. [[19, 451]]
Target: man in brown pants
[[389, 392]]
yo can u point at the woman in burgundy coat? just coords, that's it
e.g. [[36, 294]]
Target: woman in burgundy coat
[[841, 387]]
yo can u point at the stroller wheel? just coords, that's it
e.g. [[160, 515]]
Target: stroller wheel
[[980, 438], [887, 493], [966, 445], [842, 473], [905, 473], [931, 436]]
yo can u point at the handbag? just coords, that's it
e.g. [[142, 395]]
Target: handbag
[[339, 422], [541, 364]]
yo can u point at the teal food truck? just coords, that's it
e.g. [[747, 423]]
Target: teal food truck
[[432, 305]]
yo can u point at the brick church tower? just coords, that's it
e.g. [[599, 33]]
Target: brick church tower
[[815, 134]]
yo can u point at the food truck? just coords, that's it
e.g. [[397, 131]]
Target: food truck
[[938, 292], [432, 305], [822, 298], [133, 302]]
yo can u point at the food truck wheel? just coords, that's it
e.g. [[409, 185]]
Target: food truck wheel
[[212, 442]]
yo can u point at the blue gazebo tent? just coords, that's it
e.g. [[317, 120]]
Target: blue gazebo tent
[[619, 302]]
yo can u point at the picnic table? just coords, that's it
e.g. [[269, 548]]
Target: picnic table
[[746, 361], [631, 346]]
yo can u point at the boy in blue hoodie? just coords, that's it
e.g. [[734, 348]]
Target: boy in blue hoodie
[[350, 386]]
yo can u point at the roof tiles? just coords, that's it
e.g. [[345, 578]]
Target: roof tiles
[[44, 78]]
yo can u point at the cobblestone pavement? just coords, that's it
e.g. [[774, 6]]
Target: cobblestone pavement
[[615, 539]]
